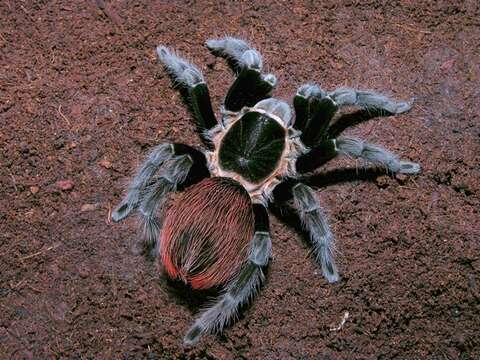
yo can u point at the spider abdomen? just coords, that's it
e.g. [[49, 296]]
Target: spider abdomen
[[206, 233], [253, 146]]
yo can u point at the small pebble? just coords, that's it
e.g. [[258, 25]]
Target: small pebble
[[34, 189], [83, 273], [88, 207], [65, 185], [105, 163]]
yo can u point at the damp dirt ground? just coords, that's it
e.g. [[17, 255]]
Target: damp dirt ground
[[83, 100]]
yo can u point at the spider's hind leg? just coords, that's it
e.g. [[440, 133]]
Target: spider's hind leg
[[242, 288], [251, 85], [158, 156], [167, 168], [191, 79], [315, 222]]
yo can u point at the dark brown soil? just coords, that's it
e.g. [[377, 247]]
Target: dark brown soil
[[83, 99]]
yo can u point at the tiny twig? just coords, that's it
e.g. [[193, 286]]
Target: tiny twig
[[34, 288], [59, 110], [309, 50], [109, 215], [40, 252], [20, 283], [14, 182], [410, 28], [342, 323]]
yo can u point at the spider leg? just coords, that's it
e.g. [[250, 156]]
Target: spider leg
[[159, 155], [374, 154], [191, 79], [357, 149], [315, 222], [369, 100], [168, 167], [251, 85], [314, 110], [316, 157], [242, 288]]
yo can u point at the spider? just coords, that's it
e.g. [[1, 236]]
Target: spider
[[214, 233]]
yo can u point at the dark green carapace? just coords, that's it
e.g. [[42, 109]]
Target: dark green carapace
[[253, 147]]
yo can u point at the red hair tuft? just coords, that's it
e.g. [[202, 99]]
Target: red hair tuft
[[206, 233]]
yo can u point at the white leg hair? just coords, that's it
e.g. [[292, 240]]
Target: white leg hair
[[160, 174], [174, 172], [276, 107], [159, 155], [238, 50], [315, 222], [369, 100], [238, 292], [183, 72], [375, 154], [309, 90]]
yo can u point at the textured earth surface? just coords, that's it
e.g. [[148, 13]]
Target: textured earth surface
[[83, 99]]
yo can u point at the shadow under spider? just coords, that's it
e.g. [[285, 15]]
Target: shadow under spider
[[196, 300], [184, 295], [339, 176]]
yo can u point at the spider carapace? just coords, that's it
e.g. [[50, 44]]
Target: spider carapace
[[253, 146], [215, 231]]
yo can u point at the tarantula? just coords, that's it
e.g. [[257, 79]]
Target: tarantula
[[216, 232]]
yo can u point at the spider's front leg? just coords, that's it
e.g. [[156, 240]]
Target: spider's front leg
[[191, 79], [314, 110], [368, 100], [315, 222], [243, 287], [168, 167], [251, 85]]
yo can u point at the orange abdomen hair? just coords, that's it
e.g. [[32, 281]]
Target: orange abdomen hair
[[206, 233]]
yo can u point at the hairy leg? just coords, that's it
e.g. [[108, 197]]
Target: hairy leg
[[168, 167], [173, 173], [191, 79], [301, 104], [315, 222], [242, 288], [313, 112], [237, 50], [251, 85], [368, 99], [159, 155], [374, 154], [356, 149]]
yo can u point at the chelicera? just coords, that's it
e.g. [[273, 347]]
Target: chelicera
[[215, 232]]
